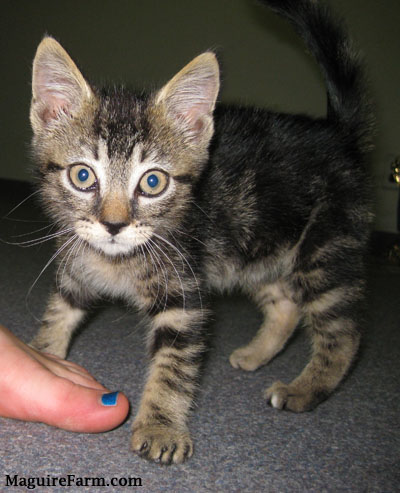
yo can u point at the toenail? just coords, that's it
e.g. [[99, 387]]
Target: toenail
[[109, 399]]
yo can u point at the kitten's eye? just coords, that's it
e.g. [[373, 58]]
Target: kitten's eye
[[82, 177], [153, 183]]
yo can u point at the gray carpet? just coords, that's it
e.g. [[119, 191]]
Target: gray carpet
[[351, 442]]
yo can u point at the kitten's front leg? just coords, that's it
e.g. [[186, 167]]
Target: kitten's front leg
[[160, 430], [62, 316]]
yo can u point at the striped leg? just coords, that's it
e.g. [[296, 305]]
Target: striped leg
[[335, 344], [331, 289], [62, 316], [160, 430]]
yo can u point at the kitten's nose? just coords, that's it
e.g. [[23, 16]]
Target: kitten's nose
[[113, 228]]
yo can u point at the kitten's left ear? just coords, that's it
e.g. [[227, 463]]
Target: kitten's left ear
[[189, 97], [58, 87]]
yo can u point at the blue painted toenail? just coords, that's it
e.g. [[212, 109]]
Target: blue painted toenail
[[109, 399]]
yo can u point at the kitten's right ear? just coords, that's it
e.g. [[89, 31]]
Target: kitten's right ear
[[58, 87]]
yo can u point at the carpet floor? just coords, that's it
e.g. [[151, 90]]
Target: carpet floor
[[351, 442]]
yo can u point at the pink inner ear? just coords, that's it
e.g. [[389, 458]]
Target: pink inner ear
[[54, 108], [193, 117], [52, 93]]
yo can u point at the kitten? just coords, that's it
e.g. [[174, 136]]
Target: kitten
[[160, 197]]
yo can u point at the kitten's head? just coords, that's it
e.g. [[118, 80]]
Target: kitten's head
[[114, 166]]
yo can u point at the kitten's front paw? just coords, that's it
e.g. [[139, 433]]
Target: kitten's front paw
[[291, 397], [162, 443], [245, 358], [43, 343]]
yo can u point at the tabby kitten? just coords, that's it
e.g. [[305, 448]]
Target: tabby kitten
[[160, 197]]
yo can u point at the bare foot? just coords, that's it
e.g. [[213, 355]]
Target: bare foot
[[36, 386]]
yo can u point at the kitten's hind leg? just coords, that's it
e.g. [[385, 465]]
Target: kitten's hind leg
[[281, 316], [61, 318], [335, 342]]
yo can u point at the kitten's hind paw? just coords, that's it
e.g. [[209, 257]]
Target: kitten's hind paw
[[292, 397], [162, 444]]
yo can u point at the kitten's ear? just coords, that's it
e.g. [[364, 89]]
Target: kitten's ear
[[58, 87], [189, 97]]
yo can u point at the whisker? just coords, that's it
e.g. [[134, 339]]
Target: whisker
[[33, 232], [179, 277], [196, 205], [144, 249], [162, 266], [37, 241], [216, 255], [82, 255], [173, 266], [23, 220], [70, 240], [65, 260], [154, 255], [22, 202], [190, 236], [187, 263]]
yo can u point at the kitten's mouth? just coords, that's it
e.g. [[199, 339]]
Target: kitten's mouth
[[114, 247], [123, 244]]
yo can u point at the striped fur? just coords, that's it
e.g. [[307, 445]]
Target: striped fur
[[159, 198]]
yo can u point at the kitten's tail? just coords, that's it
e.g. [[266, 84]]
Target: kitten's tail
[[328, 41]]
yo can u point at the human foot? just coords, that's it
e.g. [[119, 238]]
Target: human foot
[[36, 386]]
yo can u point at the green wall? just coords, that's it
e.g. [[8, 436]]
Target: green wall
[[144, 42]]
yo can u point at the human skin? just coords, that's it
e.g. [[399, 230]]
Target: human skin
[[37, 386]]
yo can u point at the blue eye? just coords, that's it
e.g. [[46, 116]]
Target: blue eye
[[153, 181], [83, 175]]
